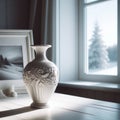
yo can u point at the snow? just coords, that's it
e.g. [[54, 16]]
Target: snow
[[111, 70], [10, 72]]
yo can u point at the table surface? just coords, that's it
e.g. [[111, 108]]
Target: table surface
[[61, 107]]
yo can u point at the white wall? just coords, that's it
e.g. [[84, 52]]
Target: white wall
[[68, 28]]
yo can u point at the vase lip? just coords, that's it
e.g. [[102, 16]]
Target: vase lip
[[41, 45]]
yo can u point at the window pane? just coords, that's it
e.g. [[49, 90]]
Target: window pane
[[101, 37]]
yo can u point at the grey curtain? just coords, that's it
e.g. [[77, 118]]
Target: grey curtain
[[41, 19]]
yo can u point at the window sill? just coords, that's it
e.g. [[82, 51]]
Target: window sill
[[95, 90], [95, 85]]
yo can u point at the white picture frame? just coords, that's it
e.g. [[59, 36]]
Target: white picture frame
[[13, 43]]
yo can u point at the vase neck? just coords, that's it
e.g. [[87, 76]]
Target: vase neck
[[41, 51]]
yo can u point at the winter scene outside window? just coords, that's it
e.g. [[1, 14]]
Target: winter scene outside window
[[101, 37], [11, 62]]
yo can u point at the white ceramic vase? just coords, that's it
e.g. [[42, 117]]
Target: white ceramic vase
[[40, 77]]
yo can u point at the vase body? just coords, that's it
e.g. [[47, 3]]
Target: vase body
[[40, 77]]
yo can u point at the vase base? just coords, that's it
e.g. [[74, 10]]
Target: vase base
[[39, 105]]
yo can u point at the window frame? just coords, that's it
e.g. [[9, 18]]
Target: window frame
[[82, 57]]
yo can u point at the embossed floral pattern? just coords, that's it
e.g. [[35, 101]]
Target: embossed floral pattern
[[42, 74]]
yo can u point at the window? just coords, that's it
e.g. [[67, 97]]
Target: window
[[101, 37], [86, 32], [100, 40]]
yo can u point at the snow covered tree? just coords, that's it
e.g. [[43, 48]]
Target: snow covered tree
[[98, 55], [112, 53]]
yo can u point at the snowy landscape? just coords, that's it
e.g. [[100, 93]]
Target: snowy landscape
[[101, 40], [11, 63], [102, 59], [111, 70]]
